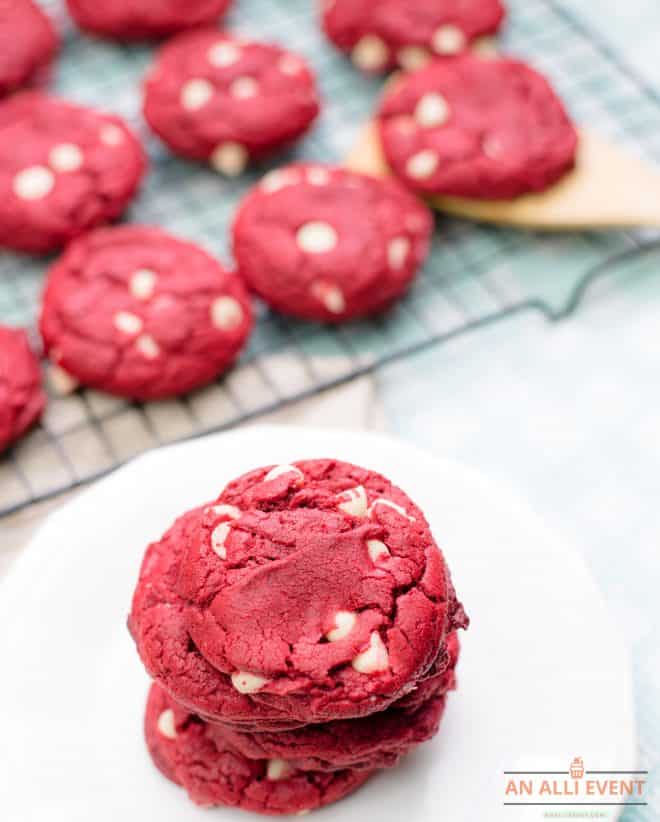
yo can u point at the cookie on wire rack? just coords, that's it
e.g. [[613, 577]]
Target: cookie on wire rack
[[226, 101], [136, 312], [323, 243], [380, 36], [64, 168], [487, 129], [28, 43], [21, 397], [143, 19]]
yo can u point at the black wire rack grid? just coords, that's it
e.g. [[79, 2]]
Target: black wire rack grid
[[475, 274]]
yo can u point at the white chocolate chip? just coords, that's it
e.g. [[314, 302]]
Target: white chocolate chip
[[230, 511], [448, 40], [65, 157], [277, 769], [354, 502], [431, 110], [226, 313], [147, 346], [219, 537], [127, 323], [280, 178], [374, 659], [195, 94], [33, 183], [244, 87], [279, 470], [61, 381], [143, 283], [316, 237], [246, 683], [166, 724], [491, 147], [377, 550], [318, 176], [397, 252], [331, 296], [423, 164], [411, 58], [334, 300], [111, 135], [370, 53], [223, 54], [288, 64], [229, 158], [345, 622], [389, 504]]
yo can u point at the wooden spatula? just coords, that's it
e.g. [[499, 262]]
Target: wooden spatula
[[608, 188]]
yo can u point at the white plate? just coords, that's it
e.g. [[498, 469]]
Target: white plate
[[544, 675]]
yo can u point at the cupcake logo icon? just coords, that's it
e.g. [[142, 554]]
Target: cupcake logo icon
[[577, 768]]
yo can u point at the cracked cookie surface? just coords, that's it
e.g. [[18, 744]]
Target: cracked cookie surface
[[213, 774], [375, 741], [227, 101], [480, 128], [305, 593], [137, 312], [64, 169], [323, 243]]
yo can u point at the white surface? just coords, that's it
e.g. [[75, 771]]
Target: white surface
[[566, 417], [543, 675]]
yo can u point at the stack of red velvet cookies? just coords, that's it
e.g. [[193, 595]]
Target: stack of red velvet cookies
[[301, 632]]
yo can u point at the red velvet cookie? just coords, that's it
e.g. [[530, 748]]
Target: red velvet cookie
[[407, 33], [303, 594], [136, 312], [318, 588], [214, 774], [375, 741], [63, 169], [133, 20], [323, 243], [469, 127], [157, 623], [21, 397], [28, 43], [225, 101]]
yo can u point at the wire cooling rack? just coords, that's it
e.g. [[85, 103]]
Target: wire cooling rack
[[474, 276]]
